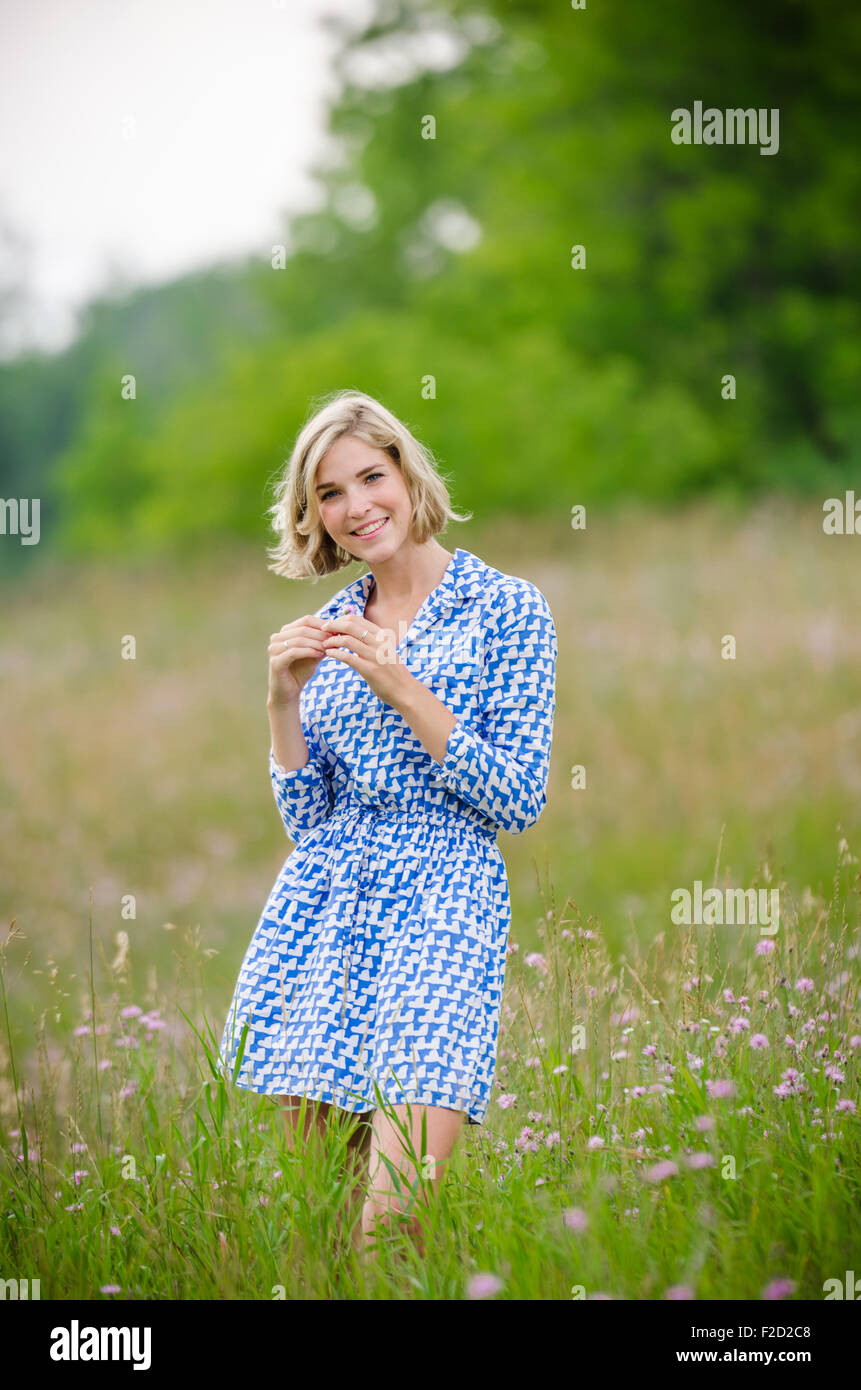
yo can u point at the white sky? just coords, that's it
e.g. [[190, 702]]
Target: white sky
[[228, 102]]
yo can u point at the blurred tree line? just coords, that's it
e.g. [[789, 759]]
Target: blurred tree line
[[448, 261]]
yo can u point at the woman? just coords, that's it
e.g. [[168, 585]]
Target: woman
[[411, 719]]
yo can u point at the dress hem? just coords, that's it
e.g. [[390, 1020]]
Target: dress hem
[[327, 1098]]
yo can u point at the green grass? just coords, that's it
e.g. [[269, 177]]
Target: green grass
[[147, 779]]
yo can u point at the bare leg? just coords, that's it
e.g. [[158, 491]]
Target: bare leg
[[308, 1120], [303, 1116], [423, 1167]]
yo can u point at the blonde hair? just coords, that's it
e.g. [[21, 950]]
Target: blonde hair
[[305, 549]]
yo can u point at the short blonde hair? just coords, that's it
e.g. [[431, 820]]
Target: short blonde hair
[[305, 549]]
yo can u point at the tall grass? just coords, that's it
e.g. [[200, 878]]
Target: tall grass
[[698, 1139]]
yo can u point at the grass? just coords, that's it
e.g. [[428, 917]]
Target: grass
[[145, 844]]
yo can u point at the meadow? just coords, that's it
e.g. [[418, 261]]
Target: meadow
[[675, 1106]]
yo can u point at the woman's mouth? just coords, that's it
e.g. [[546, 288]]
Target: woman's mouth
[[373, 529]]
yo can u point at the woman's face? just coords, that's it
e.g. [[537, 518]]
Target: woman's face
[[361, 489]]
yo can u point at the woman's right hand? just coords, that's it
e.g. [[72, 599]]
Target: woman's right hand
[[291, 667]]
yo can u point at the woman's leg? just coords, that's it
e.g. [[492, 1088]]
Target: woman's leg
[[303, 1116], [384, 1202]]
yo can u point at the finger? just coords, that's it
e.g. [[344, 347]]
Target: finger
[[308, 639], [350, 623], [296, 649], [294, 644], [307, 624], [297, 630], [346, 655]]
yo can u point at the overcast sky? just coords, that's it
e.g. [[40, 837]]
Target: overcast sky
[[151, 137]]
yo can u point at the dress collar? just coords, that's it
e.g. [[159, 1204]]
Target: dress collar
[[465, 577]]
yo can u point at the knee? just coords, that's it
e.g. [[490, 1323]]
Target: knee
[[390, 1213]]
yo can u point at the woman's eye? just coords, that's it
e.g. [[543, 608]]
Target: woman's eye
[[324, 497]]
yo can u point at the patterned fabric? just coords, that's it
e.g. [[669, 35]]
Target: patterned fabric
[[379, 958]]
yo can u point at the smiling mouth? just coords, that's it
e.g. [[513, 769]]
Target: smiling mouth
[[372, 529]]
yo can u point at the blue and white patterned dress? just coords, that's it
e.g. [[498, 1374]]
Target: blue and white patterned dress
[[379, 958]]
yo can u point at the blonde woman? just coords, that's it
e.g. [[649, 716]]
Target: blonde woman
[[411, 719]]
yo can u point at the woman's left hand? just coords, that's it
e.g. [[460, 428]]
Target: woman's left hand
[[371, 651]]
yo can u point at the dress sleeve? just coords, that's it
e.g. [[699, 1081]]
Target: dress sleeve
[[305, 796], [501, 767]]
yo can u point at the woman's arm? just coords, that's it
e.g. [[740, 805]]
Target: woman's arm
[[500, 767], [303, 789]]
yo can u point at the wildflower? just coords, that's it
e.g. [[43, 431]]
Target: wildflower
[[82, 1030], [638, 1091], [737, 1024], [719, 1090], [110, 1288], [553, 1138], [483, 1286], [778, 1288], [75, 1206], [537, 961], [846, 1105], [526, 1140], [835, 1074], [575, 1219], [78, 1148], [700, 1160], [729, 996], [79, 1175], [804, 985], [649, 1050], [115, 1231], [658, 1171], [759, 1041], [557, 1071], [595, 1142], [506, 1100], [764, 947], [855, 1040], [131, 1011], [657, 1089], [704, 1122], [105, 1064], [677, 1292]]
